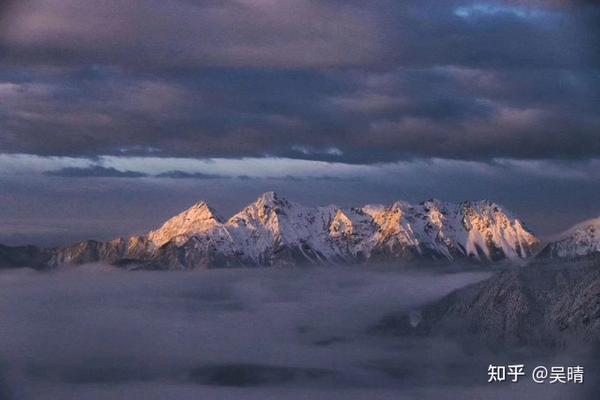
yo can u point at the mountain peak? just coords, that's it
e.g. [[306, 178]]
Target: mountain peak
[[197, 219], [432, 202], [271, 198], [199, 211], [200, 207], [275, 231], [272, 201], [483, 205], [582, 240], [268, 195], [590, 225]]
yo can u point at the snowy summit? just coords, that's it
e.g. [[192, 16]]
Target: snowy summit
[[275, 231]]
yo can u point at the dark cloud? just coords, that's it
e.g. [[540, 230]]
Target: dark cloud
[[188, 175], [104, 172], [348, 82], [94, 172], [355, 116], [153, 34], [337, 81], [149, 34], [493, 34]]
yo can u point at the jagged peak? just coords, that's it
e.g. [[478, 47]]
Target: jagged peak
[[270, 202], [341, 215], [199, 210], [268, 196], [399, 205], [433, 202], [587, 225], [272, 199], [347, 214], [268, 206], [200, 204], [581, 240], [483, 204], [373, 210], [196, 219], [272, 223], [488, 209]]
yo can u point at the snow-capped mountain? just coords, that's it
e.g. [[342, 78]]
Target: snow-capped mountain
[[582, 240], [273, 231], [549, 307], [196, 220]]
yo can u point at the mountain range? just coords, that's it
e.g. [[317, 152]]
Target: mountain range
[[273, 231]]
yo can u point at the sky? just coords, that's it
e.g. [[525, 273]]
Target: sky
[[116, 115]]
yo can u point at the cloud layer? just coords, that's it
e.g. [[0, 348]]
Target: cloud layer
[[106, 197], [97, 333], [357, 82]]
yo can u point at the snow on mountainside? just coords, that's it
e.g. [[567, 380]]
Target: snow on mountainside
[[274, 231], [582, 240], [551, 307], [198, 219], [273, 224], [435, 229]]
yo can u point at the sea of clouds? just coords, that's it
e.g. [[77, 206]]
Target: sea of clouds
[[99, 333]]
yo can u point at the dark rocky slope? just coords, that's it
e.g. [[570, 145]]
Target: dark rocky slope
[[24, 256], [538, 305]]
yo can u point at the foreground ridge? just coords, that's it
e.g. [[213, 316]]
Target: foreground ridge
[[273, 231], [580, 242]]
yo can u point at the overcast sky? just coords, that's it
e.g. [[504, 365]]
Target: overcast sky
[[116, 114]]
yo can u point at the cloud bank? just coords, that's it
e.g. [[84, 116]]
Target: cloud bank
[[336, 81]]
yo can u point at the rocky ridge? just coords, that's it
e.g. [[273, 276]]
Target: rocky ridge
[[273, 231]]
